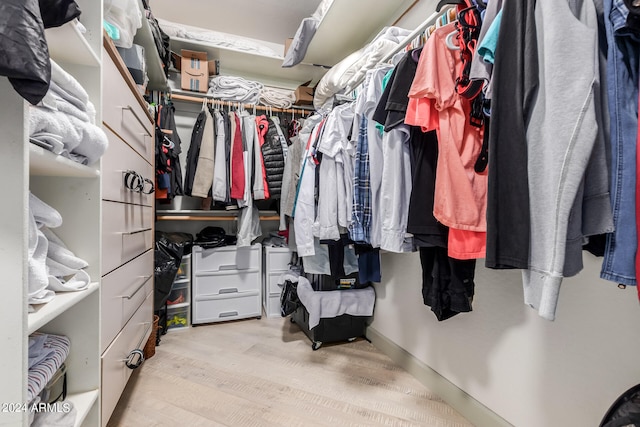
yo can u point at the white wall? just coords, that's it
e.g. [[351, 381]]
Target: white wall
[[529, 371]]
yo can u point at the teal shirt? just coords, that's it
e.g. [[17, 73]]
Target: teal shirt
[[488, 44]]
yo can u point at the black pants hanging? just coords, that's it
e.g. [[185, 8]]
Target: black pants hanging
[[447, 283]]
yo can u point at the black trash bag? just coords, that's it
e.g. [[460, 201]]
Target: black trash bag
[[24, 54], [169, 249], [289, 300], [625, 411], [58, 12], [211, 237]]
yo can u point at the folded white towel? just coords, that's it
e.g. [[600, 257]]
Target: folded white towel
[[55, 89], [37, 280], [64, 106], [79, 137], [52, 141], [328, 304], [235, 89], [275, 97], [68, 83], [59, 252], [94, 142], [43, 214], [52, 121], [77, 281]]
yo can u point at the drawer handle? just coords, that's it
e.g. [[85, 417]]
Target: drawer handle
[[228, 314], [130, 108], [133, 181], [136, 356], [229, 267], [129, 233], [146, 279], [228, 290], [134, 359]]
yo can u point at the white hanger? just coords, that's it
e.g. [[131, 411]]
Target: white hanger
[[449, 40]]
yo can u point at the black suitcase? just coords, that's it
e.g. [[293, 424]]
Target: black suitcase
[[324, 282], [341, 328]]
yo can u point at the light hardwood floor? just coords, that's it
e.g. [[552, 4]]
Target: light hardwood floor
[[264, 373]]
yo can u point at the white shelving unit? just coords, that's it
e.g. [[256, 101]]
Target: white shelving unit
[[347, 26], [74, 190], [181, 287], [45, 163], [144, 37], [265, 69]]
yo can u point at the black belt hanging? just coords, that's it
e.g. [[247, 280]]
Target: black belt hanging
[[483, 158], [468, 26]]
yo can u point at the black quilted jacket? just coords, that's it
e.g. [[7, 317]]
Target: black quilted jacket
[[273, 161]]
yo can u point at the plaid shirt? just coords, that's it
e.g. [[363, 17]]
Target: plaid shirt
[[360, 228]]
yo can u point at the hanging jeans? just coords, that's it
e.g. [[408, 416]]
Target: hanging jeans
[[622, 71]]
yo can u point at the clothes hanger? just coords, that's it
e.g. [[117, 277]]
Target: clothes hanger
[[442, 3], [449, 40]]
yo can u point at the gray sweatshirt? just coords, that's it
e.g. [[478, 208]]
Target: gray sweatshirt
[[560, 139]]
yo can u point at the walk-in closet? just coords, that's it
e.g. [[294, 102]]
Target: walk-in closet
[[320, 213]]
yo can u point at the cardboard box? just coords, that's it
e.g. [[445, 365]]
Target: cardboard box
[[213, 64], [194, 70], [287, 45], [304, 94]]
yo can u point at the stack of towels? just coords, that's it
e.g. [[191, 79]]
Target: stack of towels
[[238, 89], [64, 121], [52, 267]]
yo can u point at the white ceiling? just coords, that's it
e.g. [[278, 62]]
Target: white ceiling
[[269, 20]]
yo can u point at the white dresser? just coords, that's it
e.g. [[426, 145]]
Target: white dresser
[[276, 262], [227, 283], [126, 296]]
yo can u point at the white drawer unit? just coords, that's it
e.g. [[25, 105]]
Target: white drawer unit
[[127, 231], [127, 291], [226, 258], [119, 159], [276, 262], [123, 291], [227, 283], [123, 113], [219, 308], [115, 372]]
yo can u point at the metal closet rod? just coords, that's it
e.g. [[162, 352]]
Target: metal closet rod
[[246, 106]]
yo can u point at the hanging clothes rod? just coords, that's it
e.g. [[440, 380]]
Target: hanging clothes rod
[[198, 100], [432, 19]]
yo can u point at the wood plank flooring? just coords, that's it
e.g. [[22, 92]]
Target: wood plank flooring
[[263, 373]]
